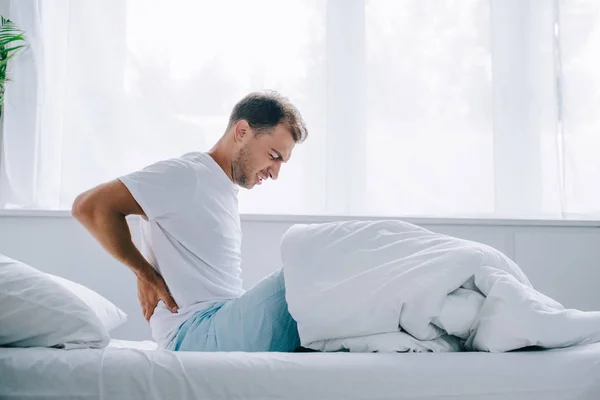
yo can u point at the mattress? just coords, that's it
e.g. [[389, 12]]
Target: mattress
[[137, 370]]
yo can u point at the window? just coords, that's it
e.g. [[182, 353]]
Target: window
[[476, 108]]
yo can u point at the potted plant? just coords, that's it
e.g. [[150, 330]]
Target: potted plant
[[12, 39]]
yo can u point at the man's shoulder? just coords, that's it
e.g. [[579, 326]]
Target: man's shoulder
[[206, 168], [194, 157], [196, 161], [199, 156]]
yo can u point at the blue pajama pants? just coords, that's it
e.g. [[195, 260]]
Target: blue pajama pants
[[257, 321]]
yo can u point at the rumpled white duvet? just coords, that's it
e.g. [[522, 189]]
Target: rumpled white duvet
[[390, 286]]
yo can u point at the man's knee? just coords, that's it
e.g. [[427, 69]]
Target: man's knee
[[275, 280], [280, 278]]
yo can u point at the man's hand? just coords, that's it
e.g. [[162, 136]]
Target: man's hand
[[150, 291], [102, 211]]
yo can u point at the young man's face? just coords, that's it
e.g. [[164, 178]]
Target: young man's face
[[260, 156]]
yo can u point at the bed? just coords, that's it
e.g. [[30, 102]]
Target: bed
[[58, 341], [137, 370]]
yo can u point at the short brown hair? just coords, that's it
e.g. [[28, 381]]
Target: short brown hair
[[265, 110]]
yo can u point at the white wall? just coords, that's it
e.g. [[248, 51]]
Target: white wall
[[562, 261], [4, 7]]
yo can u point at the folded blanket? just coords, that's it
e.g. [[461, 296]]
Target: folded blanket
[[393, 286]]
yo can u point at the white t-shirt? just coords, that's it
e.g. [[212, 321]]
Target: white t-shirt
[[192, 236]]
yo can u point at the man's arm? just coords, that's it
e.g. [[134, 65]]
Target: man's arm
[[102, 211]]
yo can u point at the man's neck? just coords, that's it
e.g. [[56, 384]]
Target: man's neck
[[222, 158]]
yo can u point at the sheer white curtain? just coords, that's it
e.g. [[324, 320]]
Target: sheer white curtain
[[480, 108]]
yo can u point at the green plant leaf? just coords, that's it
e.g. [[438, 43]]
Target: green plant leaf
[[15, 48], [9, 33]]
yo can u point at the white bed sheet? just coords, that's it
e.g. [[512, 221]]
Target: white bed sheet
[[135, 370]]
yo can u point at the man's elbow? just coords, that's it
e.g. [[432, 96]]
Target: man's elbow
[[106, 201], [83, 208]]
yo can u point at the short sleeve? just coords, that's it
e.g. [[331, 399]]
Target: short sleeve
[[162, 188]]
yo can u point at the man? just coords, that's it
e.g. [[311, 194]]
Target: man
[[188, 273]]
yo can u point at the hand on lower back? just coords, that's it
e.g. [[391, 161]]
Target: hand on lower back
[[150, 292]]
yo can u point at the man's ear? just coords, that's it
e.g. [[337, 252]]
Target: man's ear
[[241, 131]]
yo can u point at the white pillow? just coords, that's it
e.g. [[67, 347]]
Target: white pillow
[[37, 311], [110, 315]]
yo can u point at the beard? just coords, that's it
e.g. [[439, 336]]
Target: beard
[[240, 168]]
